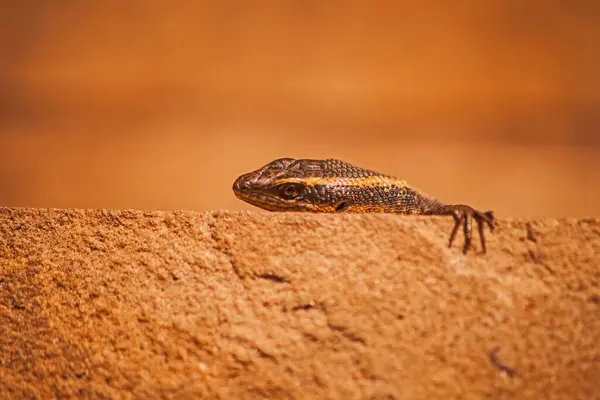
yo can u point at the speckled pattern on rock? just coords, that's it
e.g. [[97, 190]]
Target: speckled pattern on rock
[[134, 304]]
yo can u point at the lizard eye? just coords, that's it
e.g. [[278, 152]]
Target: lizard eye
[[290, 190]]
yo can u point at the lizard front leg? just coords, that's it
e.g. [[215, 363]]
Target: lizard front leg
[[463, 216]]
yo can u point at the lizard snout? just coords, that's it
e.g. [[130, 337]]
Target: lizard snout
[[242, 183]]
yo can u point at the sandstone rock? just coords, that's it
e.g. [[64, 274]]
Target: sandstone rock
[[133, 304]]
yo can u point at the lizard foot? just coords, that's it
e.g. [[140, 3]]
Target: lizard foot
[[464, 215]]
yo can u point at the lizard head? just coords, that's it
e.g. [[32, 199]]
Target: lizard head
[[285, 184]]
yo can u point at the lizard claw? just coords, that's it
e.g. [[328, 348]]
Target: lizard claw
[[464, 215]]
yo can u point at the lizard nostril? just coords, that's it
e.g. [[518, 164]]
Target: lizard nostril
[[241, 183], [237, 185]]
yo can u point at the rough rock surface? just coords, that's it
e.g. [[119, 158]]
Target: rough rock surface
[[132, 304]]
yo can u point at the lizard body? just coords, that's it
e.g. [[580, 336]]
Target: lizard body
[[334, 186]]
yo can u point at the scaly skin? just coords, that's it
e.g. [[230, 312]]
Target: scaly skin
[[333, 186]]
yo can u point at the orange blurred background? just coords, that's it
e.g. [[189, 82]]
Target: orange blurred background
[[161, 105]]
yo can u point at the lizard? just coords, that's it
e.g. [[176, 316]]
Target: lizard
[[335, 186]]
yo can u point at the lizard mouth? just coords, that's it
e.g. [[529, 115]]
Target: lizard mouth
[[269, 201], [245, 190]]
